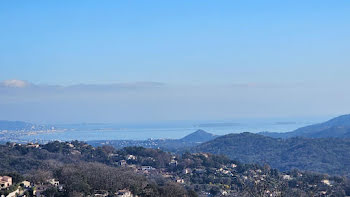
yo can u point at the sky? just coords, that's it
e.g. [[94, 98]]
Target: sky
[[149, 61]]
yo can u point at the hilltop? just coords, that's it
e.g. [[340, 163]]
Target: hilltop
[[326, 155], [338, 127], [198, 137]]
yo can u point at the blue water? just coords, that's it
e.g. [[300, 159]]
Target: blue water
[[86, 132]]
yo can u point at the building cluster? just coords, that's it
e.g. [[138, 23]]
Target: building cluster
[[26, 188], [174, 171], [256, 177], [38, 190]]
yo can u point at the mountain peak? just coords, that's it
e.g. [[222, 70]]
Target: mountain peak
[[198, 136], [201, 131]]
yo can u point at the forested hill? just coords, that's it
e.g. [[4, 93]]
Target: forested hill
[[338, 127], [326, 155], [84, 170]]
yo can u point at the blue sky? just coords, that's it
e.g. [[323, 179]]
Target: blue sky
[[218, 58]]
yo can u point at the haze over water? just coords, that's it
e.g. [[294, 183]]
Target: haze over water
[[87, 132]]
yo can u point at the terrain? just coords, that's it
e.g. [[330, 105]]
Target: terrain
[[173, 145], [326, 155], [338, 127], [19, 125], [84, 170]]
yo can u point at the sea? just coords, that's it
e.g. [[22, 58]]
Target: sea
[[109, 131]]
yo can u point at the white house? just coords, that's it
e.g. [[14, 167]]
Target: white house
[[5, 182]]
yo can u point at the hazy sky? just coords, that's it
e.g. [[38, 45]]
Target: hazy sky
[[147, 61]]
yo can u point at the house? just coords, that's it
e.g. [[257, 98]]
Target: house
[[180, 180], [233, 165], [146, 168], [287, 177], [224, 192], [186, 171], [173, 163], [54, 182], [32, 145], [101, 193], [5, 182], [25, 184], [113, 155], [131, 157], [70, 145], [124, 193], [223, 171], [326, 182], [122, 163]]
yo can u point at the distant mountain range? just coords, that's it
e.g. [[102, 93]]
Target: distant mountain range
[[326, 155], [338, 127]]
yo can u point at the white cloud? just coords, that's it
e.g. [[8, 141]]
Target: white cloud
[[15, 83], [16, 86]]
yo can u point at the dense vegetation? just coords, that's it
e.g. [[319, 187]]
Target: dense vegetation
[[325, 155], [85, 170]]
